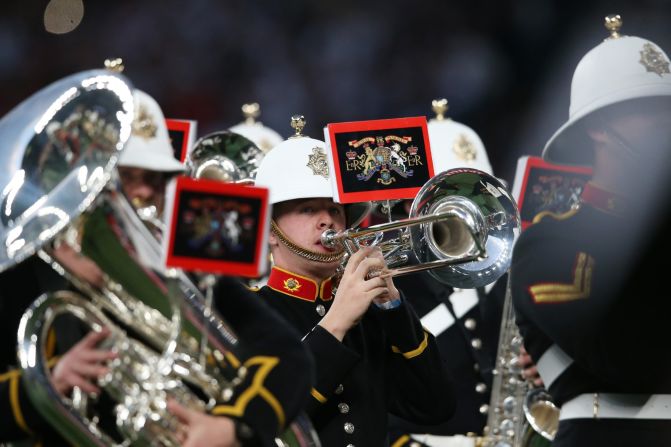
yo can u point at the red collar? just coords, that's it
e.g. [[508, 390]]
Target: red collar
[[603, 200], [299, 286]]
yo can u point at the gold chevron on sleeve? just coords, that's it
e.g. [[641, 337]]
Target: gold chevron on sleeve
[[561, 292], [257, 388]]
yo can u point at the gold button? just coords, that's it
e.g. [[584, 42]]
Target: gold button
[[321, 310], [343, 408], [481, 388], [349, 428], [470, 324], [476, 343], [339, 389]]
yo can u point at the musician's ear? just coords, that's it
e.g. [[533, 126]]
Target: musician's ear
[[273, 241]]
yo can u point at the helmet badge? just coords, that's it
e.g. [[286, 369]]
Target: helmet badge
[[318, 163], [143, 125], [464, 148], [653, 60]]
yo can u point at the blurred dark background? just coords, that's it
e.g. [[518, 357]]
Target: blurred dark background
[[504, 66]]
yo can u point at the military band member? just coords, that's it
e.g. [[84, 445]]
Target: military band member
[[371, 353], [148, 162], [581, 281], [273, 392], [261, 406], [465, 322]]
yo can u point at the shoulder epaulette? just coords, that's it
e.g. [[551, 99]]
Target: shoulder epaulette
[[556, 216]]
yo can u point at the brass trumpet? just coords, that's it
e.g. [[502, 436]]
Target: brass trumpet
[[461, 228]]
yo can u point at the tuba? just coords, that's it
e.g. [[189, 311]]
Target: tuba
[[461, 228], [61, 200]]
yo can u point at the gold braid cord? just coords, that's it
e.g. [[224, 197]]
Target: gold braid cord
[[326, 258]]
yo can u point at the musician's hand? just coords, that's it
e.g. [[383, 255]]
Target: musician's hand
[[389, 283], [82, 365], [355, 292], [200, 429], [529, 370], [79, 265]]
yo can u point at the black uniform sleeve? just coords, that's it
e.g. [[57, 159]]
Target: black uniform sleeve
[[333, 361], [21, 420], [19, 286], [574, 297], [15, 407], [280, 370], [422, 389]]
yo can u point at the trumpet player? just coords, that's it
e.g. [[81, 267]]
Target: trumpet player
[[371, 353], [581, 281]]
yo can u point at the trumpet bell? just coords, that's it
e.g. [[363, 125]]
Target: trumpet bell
[[484, 216]]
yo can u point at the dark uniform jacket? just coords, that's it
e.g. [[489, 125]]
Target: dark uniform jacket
[[269, 349], [386, 363], [19, 287], [582, 281], [467, 346]]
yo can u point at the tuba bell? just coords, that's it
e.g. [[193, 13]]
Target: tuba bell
[[461, 228], [60, 199], [224, 156]]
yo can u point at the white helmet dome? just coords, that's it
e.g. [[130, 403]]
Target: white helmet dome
[[297, 168], [264, 137], [622, 68], [149, 144], [454, 145]]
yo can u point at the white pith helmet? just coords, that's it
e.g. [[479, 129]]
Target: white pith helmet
[[621, 68], [264, 137], [297, 168], [149, 144], [454, 145]]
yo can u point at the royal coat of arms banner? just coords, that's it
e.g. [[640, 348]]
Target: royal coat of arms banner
[[379, 159]]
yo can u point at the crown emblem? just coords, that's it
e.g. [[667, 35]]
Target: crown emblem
[[143, 124], [351, 155], [653, 60], [317, 162]]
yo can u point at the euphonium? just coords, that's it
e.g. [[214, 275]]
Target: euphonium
[[60, 199], [461, 229]]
